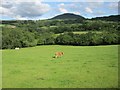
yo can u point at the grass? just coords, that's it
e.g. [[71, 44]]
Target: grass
[[2, 25], [81, 32], [80, 67], [6, 25], [84, 32], [0, 69]]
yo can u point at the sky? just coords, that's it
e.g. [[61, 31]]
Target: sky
[[39, 9]]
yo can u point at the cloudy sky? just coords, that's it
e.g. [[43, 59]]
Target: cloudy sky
[[39, 9]]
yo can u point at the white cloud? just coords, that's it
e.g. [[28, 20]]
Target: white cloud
[[19, 9], [62, 8], [81, 0], [89, 10], [72, 8], [5, 11], [78, 13], [21, 18], [95, 4], [62, 5], [6, 4], [95, 0]]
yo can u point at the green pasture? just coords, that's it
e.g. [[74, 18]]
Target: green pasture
[[84, 32], [81, 32], [79, 67], [2, 25]]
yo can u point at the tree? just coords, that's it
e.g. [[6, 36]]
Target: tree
[[45, 38], [65, 39], [12, 38], [109, 38]]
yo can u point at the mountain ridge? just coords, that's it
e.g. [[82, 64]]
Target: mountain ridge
[[68, 16], [108, 18], [75, 16]]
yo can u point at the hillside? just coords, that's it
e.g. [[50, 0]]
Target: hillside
[[68, 16], [108, 18]]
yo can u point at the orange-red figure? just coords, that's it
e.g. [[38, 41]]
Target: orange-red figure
[[58, 54]]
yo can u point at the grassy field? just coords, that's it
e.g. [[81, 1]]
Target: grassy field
[[81, 32], [84, 32], [2, 25], [0, 69], [80, 67]]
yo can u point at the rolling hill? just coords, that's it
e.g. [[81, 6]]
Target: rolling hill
[[108, 18], [68, 16]]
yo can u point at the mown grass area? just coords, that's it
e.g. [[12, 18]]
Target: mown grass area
[[2, 25], [84, 32], [80, 67], [81, 32], [6, 26]]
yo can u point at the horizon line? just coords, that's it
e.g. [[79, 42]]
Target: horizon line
[[61, 14]]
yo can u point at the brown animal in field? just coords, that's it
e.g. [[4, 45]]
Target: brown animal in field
[[58, 54]]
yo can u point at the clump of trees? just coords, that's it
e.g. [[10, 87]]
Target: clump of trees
[[45, 38], [87, 39], [12, 38], [85, 26]]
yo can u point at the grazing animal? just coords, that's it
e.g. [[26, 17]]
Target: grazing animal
[[58, 54], [17, 48]]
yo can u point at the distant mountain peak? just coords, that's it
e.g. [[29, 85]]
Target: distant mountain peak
[[68, 16]]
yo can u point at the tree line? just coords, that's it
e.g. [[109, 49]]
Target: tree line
[[12, 38], [61, 26], [88, 39]]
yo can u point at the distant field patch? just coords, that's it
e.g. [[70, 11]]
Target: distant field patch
[[2, 25], [8, 26], [82, 32]]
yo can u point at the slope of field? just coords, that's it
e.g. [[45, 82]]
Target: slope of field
[[80, 67]]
